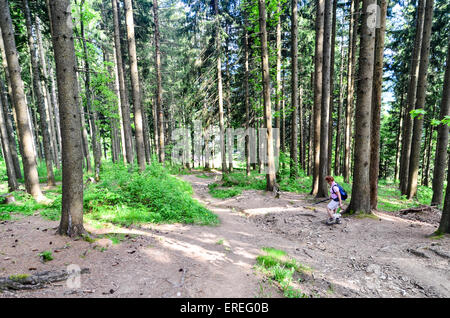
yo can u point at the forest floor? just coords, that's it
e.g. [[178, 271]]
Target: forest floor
[[389, 255]]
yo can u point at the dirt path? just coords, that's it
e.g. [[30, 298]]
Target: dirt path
[[389, 257]]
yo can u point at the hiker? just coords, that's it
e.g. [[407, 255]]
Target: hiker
[[336, 201]]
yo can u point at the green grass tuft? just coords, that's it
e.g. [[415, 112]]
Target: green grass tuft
[[281, 268], [19, 278], [46, 256]]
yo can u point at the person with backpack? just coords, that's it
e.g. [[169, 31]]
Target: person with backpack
[[337, 195]]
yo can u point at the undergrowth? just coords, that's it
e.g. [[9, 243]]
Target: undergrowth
[[153, 196], [389, 196], [282, 269], [124, 198]]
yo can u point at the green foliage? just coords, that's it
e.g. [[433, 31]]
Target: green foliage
[[278, 266], [419, 113], [42, 173], [3, 173], [46, 256], [25, 204], [221, 193], [19, 277], [234, 183], [153, 196]]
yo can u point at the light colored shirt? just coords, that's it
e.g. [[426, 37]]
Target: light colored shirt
[[334, 189]]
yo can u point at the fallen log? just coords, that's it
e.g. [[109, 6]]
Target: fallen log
[[36, 281]]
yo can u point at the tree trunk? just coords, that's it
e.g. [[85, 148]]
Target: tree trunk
[[50, 104], [155, 128], [56, 109], [119, 107], [278, 79], [219, 87], [158, 93], [360, 201], [337, 157], [318, 77], [442, 140], [9, 127], [330, 120], [420, 101], [353, 34], [270, 173], [399, 131], [39, 97], [12, 181], [426, 172], [444, 225], [411, 99], [92, 113], [293, 171], [247, 102], [26, 139], [128, 138], [376, 106], [301, 143], [325, 105], [283, 116], [230, 139], [71, 223], [135, 84]]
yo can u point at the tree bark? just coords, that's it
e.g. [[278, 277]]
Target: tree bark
[[420, 101], [444, 225], [247, 101], [318, 78], [135, 84], [330, 120], [230, 139], [39, 97], [399, 131], [50, 98], [337, 156], [158, 93], [293, 171], [92, 113], [442, 139], [325, 105], [9, 127], [353, 34], [26, 139], [360, 201], [278, 78], [376, 106], [71, 223], [219, 88], [12, 181], [427, 152], [270, 174], [411, 99], [125, 105], [301, 143]]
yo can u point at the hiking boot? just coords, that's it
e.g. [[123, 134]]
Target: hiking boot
[[338, 220], [330, 221]]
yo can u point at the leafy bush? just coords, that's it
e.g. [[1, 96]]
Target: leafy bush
[[154, 196]]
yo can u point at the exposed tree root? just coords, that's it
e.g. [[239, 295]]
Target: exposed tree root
[[422, 208]]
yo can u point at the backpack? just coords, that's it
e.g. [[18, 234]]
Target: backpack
[[344, 194]]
